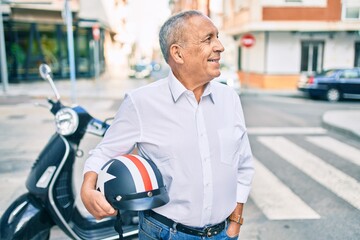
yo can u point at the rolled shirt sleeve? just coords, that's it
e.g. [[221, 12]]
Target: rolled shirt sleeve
[[120, 138]]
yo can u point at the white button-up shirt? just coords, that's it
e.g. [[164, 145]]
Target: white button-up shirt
[[202, 149]]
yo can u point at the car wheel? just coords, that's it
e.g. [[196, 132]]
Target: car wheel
[[333, 95]]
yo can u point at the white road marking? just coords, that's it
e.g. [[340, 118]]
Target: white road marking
[[285, 130], [339, 148], [275, 199], [333, 179]]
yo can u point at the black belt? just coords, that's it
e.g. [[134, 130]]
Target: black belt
[[202, 232]]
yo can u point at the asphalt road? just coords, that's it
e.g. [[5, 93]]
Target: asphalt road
[[307, 181]]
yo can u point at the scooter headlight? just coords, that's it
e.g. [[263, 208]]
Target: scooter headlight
[[67, 121]]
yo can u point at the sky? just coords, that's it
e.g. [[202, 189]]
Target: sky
[[144, 20]]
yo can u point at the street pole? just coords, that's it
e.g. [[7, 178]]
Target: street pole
[[70, 41], [3, 62]]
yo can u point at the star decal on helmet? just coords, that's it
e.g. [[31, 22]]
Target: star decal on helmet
[[103, 177]]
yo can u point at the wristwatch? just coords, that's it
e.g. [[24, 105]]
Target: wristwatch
[[236, 218]]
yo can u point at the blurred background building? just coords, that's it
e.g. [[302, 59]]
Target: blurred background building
[[292, 37], [35, 32]]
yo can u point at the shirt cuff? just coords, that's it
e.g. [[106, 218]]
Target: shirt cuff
[[242, 193]]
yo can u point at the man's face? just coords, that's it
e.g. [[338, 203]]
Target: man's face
[[202, 49]]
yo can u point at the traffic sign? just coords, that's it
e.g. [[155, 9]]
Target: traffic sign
[[96, 32], [247, 40]]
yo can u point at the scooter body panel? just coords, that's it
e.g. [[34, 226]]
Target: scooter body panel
[[45, 167], [25, 218]]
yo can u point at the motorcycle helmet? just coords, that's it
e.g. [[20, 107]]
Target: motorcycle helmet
[[130, 182]]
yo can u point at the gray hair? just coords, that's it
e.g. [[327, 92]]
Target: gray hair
[[172, 30]]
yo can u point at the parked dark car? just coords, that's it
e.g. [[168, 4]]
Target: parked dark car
[[332, 85], [140, 70]]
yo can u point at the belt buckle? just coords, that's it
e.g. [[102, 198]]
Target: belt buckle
[[209, 232]]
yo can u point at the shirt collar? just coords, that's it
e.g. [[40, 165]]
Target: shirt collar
[[177, 89]]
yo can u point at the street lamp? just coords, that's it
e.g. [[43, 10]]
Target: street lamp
[[70, 40], [3, 61]]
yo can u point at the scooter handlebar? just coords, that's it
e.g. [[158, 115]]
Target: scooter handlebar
[[97, 127]]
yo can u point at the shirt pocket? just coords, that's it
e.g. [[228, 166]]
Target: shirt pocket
[[229, 140]]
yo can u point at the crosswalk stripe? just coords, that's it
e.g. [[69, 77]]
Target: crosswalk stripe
[[285, 130], [275, 199], [339, 148], [333, 179]]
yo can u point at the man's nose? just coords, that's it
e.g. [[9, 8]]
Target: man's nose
[[219, 47]]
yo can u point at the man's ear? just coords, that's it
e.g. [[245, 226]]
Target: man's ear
[[176, 54]]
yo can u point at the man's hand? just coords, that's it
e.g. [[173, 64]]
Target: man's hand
[[93, 200], [233, 229]]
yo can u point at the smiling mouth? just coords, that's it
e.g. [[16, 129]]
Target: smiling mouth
[[214, 60]]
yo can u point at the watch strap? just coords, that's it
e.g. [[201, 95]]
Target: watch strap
[[236, 218]]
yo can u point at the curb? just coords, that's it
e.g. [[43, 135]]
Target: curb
[[335, 123]]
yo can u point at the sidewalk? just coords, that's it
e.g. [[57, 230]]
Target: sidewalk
[[343, 121], [112, 85]]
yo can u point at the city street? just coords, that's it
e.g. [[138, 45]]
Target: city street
[[307, 177]]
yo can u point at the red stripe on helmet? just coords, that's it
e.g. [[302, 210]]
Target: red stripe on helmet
[[143, 172]]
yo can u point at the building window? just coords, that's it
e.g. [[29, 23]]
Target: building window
[[357, 54], [311, 56], [351, 10], [352, 13]]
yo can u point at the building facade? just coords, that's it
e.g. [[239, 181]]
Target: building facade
[[292, 37], [37, 33]]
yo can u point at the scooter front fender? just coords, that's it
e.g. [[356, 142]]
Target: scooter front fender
[[25, 218]]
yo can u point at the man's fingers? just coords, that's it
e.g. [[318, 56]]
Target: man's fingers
[[105, 205], [100, 207]]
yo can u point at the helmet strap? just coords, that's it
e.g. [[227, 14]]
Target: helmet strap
[[118, 225]]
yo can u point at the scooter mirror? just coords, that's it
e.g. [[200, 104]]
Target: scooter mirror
[[45, 73]]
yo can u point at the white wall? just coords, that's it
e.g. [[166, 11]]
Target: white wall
[[283, 53], [280, 52], [340, 51], [256, 54]]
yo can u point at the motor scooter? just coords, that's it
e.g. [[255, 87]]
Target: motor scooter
[[50, 200]]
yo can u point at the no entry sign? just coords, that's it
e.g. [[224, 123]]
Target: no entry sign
[[247, 40], [96, 32]]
